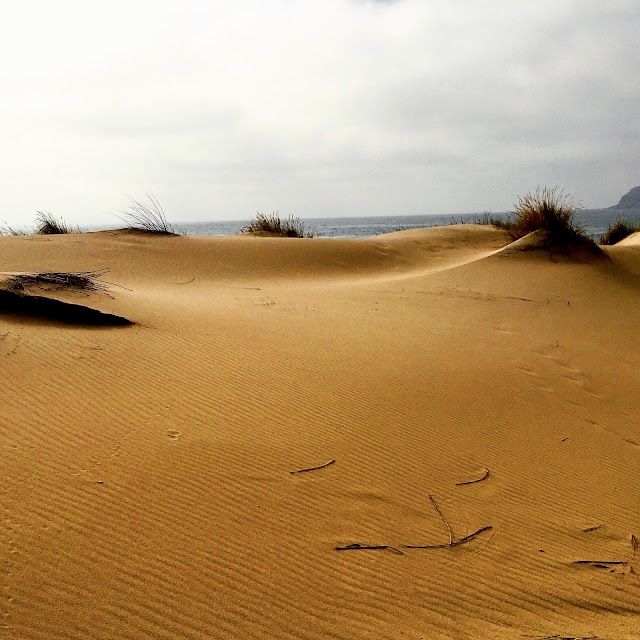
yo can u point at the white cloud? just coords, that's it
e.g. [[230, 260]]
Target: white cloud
[[346, 107]]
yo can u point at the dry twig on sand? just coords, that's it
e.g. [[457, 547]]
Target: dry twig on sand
[[485, 475], [602, 564], [595, 528], [591, 636], [356, 546], [79, 281], [454, 543], [322, 466], [437, 508]]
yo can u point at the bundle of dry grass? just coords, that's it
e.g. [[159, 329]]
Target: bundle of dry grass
[[76, 281], [618, 231], [273, 225], [47, 223], [150, 218]]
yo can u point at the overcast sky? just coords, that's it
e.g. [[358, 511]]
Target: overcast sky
[[314, 108]]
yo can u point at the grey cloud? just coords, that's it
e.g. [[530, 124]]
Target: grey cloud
[[345, 107]]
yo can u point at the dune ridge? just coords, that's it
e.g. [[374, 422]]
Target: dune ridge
[[146, 486]]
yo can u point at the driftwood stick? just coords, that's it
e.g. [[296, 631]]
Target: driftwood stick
[[454, 543], [484, 477], [357, 546], [437, 508], [322, 466]]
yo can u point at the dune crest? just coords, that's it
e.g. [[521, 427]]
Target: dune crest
[[632, 240]]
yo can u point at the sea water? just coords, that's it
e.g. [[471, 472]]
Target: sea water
[[593, 221]]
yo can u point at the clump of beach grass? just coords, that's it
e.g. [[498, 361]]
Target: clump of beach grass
[[486, 218], [72, 281], [551, 210], [47, 223], [617, 231], [149, 217], [495, 221], [8, 230], [273, 225]]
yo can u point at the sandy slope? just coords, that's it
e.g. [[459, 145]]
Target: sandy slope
[[145, 485]]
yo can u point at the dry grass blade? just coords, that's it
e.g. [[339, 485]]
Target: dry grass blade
[[81, 281], [321, 466], [437, 508], [594, 528], [485, 475], [591, 636], [601, 564]]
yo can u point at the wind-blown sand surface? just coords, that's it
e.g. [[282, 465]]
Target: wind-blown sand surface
[[146, 488]]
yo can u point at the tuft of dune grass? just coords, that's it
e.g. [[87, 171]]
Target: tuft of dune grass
[[617, 231], [150, 217], [47, 223], [273, 225], [551, 210]]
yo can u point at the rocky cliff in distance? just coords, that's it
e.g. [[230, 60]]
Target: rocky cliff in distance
[[630, 200]]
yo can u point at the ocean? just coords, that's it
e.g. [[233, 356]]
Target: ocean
[[593, 221]]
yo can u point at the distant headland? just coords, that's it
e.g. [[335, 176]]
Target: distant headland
[[630, 200]]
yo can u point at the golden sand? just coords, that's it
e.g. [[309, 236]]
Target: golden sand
[[146, 487]]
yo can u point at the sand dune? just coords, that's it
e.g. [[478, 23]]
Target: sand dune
[[459, 385], [630, 240]]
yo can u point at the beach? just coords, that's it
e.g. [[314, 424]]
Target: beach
[[259, 453]]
